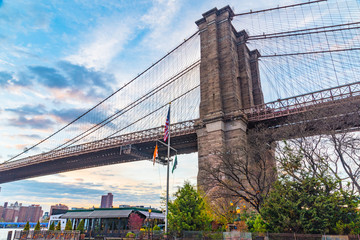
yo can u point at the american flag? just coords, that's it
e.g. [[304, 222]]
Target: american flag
[[167, 123]]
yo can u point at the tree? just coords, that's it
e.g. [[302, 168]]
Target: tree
[[135, 221], [27, 226], [340, 151], [52, 226], [80, 227], [326, 135], [308, 201], [243, 173], [68, 226], [58, 226], [37, 226], [187, 212]]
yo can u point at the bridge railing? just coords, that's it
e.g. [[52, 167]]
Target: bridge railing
[[302, 103], [177, 129]]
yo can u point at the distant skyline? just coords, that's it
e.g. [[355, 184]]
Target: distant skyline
[[59, 58]]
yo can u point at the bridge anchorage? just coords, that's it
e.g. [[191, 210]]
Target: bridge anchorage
[[232, 114]]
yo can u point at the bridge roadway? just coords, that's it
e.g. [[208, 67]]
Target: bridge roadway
[[333, 109], [130, 147], [340, 103]]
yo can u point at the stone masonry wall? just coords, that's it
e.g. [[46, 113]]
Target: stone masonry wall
[[229, 82]]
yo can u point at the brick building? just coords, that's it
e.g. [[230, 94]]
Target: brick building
[[1, 212], [58, 207], [31, 213], [106, 201], [10, 215], [18, 213]]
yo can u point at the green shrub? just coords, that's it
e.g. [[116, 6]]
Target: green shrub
[[156, 228], [80, 227], [27, 226], [58, 226], [52, 226], [68, 226], [37, 226], [130, 235]]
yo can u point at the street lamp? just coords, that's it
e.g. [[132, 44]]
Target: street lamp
[[232, 210], [149, 210], [238, 211]]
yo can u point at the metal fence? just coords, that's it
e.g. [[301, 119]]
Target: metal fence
[[186, 235], [192, 235], [47, 235]]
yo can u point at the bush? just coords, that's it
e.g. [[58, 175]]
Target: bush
[[80, 227], [135, 221], [27, 226], [58, 226], [156, 228], [52, 226], [130, 235], [68, 226], [37, 226]]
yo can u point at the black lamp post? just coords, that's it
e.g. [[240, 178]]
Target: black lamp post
[[238, 211], [232, 211], [149, 224]]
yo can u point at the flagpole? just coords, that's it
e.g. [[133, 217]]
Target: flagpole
[[167, 180]]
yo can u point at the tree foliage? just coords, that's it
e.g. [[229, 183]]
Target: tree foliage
[[187, 212], [80, 227], [135, 221], [255, 223], [325, 135], [308, 200], [37, 226], [27, 226], [58, 226], [68, 226], [52, 226]]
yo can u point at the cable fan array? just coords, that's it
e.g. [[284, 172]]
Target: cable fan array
[[305, 47], [138, 105]]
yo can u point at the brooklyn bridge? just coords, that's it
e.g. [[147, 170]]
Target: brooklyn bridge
[[214, 80]]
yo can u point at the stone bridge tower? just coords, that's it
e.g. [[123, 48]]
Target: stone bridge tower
[[229, 82]]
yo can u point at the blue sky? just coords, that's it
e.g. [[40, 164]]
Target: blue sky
[[59, 58]]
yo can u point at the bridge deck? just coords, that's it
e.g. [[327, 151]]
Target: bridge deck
[[340, 102], [303, 103], [129, 147]]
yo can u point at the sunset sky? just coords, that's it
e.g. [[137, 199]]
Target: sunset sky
[[59, 58]]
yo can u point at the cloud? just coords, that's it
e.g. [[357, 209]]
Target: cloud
[[82, 76], [25, 16], [107, 40], [29, 136], [159, 20], [49, 77], [3, 61], [40, 117], [28, 110], [68, 77], [68, 115], [55, 190], [5, 78], [36, 122]]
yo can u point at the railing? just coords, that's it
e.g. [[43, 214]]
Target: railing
[[279, 108], [44, 234], [20, 224], [177, 129], [302, 103]]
